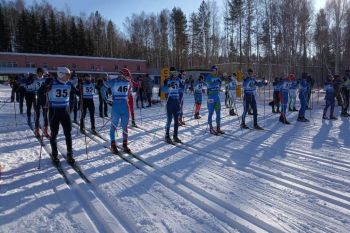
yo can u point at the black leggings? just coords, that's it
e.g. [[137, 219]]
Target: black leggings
[[57, 116], [88, 104], [30, 100]]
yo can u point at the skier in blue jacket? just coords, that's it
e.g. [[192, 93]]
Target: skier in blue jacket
[[293, 93], [172, 87], [284, 92], [120, 88], [86, 90], [330, 98], [198, 90], [249, 88], [303, 93], [213, 83], [40, 103], [58, 91]]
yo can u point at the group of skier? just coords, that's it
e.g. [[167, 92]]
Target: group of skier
[[59, 96]]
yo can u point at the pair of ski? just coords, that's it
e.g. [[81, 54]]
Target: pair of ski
[[58, 165]]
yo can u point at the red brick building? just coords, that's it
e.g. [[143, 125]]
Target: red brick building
[[16, 63]]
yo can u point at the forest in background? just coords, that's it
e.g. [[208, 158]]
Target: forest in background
[[263, 34]]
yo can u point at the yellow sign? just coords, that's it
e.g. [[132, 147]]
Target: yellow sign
[[163, 75], [239, 86]]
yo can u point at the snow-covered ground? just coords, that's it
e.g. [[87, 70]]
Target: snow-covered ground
[[288, 178]]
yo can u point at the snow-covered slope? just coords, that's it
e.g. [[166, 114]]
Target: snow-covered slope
[[288, 178]]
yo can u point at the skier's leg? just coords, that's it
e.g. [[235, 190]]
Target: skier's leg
[[54, 126], [210, 111], [67, 129]]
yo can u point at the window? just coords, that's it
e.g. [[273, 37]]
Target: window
[[3, 63], [138, 68], [30, 64], [74, 66], [125, 66], [92, 67], [116, 67], [46, 66]]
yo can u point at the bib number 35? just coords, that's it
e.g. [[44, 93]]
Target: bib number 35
[[61, 93]]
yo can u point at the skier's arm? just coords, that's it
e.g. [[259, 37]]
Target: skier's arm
[[104, 90]]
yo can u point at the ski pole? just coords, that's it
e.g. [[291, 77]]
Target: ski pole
[[239, 120], [14, 107], [83, 116], [264, 108]]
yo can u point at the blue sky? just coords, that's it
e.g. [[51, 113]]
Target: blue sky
[[118, 10]]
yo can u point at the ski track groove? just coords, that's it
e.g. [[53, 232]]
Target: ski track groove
[[339, 199], [333, 161], [85, 193], [200, 197], [248, 173], [140, 168]]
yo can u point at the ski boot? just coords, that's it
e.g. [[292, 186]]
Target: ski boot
[[278, 110], [36, 133], [114, 149], [302, 119], [70, 158], [168, 139], [232, 112], [324, 116], [55, 159], [82, 130], [176, 139], [197, 116], [181, 123], [344, 114], [46, 132], [93, 131], [244, 126], [258, 127], [332, 117], [133, 123], [283, 120], [219, 131], [126, 148], [212, 131]]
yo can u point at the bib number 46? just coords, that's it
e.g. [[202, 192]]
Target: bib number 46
[[122, 89]]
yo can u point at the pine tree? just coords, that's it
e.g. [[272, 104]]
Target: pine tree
[[81, 38], [52, 34], [180, 37], [73, 37], [43, 36], [4, 32], [21, 32]]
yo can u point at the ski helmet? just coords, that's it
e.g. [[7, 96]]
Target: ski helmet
[[125, 72], [112, 76], [88, 77], [63, 74], [291, 77]]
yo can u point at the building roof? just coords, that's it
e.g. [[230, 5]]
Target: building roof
[[27, 70], [69, 56]]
